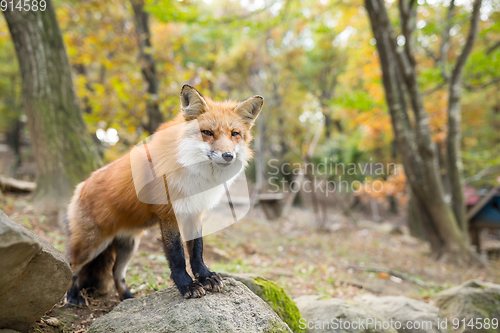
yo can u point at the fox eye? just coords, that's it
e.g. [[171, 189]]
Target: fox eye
[[207, 133], [235, 133]]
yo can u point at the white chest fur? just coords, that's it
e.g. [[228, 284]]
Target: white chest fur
[[195, 183], [201, 187]]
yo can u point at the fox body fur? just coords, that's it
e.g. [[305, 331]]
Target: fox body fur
[[106, 218]]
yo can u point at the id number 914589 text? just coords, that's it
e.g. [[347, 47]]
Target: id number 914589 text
[[23, 5]]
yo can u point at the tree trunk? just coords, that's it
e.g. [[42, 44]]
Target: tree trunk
[[421, 226], [62, 148], [15, 127], [455, 168], [148, 66], [414, 142], [14, 142]]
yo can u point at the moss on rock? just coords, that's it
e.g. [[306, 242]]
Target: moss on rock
[[280, 302], [471, 300]]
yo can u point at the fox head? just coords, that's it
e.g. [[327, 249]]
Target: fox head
[[224, 126]]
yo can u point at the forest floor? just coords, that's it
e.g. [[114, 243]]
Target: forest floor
[[343, 262]]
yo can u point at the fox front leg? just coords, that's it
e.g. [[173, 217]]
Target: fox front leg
[[210, 280], [174, 251]]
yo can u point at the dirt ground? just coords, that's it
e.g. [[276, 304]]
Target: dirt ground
[[343, 261]]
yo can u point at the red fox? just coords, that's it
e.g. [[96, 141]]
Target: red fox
[[106, 218]]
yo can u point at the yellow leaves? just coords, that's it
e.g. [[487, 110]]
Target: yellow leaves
[[439, 137], [394, 185], [367, 69], [376, 127], [212, 56], [4, 31], [106, 63], [63, 15], [475, 110], [371, 76], [148, 50], [275, 34], [98, 88], [84, 59], [100, 40], [371, 70], [92, 40], [436, 106], [376, 90], [80, 84], [470, 141]]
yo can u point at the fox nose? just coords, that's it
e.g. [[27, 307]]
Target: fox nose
[[227, 157]]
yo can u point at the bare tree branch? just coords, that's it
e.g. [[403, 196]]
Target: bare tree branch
[[408, 17], [445, 40], [493, 47], [482, 173], [431, 54], [412, 3], [481, 86], [436, 88], [471, 38], [401, 57]]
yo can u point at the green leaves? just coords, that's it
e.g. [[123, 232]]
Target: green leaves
[[174, 11]]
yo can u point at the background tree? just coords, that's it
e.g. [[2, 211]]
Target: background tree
[[320, 71], [11, 115], [63, 150], [444, 225], [148, 65]]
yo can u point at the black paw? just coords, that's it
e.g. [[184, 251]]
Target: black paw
[[193, 290], [213, 282], [127, 294], [76, 300]]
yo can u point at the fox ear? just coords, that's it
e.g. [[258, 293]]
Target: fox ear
[[250, 108], [192, 102]]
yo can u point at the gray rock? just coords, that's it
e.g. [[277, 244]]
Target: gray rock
[[235, 309], [474, 300], [412, 316], [34, 276], [247, 279], [322, 314], [17, 248], [273, 295]]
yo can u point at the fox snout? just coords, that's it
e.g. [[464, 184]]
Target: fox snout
[[227, 156], [222, 158]]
